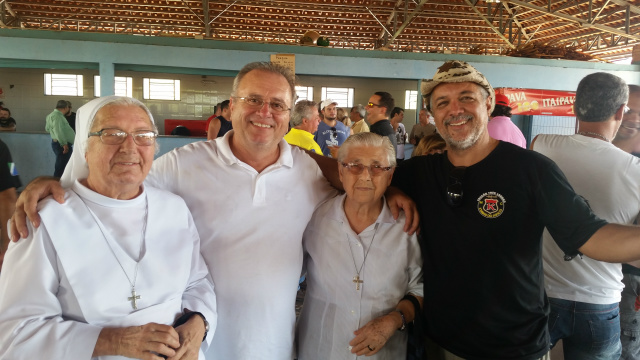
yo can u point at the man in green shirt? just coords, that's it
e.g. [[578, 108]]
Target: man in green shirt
[[61, 135]]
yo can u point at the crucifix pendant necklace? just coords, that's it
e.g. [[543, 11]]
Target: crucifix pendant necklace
[[134, 296], [356, 279]]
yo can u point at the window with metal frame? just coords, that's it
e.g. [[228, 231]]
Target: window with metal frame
[[63, 84], [160, 89], [343, 96]]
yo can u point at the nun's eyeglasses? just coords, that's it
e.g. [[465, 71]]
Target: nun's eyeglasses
[[117, 136]]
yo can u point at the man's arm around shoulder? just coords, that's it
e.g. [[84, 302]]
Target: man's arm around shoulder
[[27, 204]]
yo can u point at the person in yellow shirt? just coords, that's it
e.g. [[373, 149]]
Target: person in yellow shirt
[[304, 122], [357, 114]]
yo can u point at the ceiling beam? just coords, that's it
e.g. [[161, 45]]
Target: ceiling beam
[[515, 20], [408, 20], [579, 21], [193, 12], [207, 24], [634, 9], [490, 24]]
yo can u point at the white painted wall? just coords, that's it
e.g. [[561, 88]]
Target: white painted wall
[[23, 91]]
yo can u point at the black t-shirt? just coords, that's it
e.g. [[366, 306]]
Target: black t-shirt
[[384, 128], [8, 175], [225, 126], [7, 122], [71, 119], [484, 285]]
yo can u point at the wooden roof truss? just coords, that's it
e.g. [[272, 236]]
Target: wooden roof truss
[[607, 29]]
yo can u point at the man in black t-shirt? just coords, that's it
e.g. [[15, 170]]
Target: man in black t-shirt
[[218, 126], [9, 182], [7, 123], [71, 117], [378, 112], [484, 204]]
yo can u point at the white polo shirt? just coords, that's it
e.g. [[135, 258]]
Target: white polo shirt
[[251, 227]]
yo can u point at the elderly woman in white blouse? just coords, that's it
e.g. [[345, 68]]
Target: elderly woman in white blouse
[[362, 269], [115, 272]]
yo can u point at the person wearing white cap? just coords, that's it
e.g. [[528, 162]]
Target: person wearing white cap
[[485, 204], [331, 132]]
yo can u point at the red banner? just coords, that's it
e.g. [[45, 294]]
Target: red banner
[[539, 102]]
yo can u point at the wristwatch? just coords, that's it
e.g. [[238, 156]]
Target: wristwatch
[[187, 315]]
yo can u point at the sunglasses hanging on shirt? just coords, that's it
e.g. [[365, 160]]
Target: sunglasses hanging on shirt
[[454, 189]]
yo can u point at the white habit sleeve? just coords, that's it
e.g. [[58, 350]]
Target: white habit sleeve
[[199, 295], [31, 322]]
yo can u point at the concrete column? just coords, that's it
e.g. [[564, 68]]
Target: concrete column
[[107, 79]]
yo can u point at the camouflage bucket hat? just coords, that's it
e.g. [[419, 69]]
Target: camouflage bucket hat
[[456, 71]]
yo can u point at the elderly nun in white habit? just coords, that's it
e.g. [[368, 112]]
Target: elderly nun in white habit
[[108, 272], [364, 273]]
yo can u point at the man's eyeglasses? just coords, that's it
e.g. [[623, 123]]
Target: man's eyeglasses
[[374, 170], [629, 111], [370, 104], [257, 102], [116, 136], [454, 190], [630, 125]]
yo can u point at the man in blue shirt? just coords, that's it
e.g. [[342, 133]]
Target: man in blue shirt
[[331, 132]]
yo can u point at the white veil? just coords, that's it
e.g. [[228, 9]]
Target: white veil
[[77, 166]]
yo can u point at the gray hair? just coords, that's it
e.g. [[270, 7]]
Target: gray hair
[[360, 110], [302, 110], [61, 104], [599, 96], [268, 67], [124, 101], [368, 139]]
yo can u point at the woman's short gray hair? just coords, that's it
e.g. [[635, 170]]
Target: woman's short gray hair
[[368, 139], [125, 101]]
